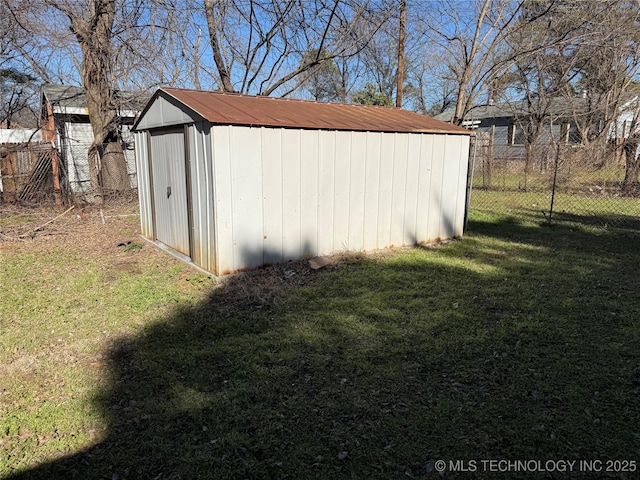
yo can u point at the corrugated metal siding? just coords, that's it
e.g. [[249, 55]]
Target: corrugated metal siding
[[281, 194], [371, 189], [339, 229], [461, 197], [450, 188], [272, 181], [144, 184], [424, 187], [247, 202], [398, 192], [309, 140], [291, 200], [170, 189], [202, 196], [223, 200], [434, 230], [411, 196]]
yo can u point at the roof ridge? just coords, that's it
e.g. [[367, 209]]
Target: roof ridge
[[222, 108], [267, 97]]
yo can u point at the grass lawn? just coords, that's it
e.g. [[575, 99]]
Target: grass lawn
[[570, 178], [529, 205], [520, 342]]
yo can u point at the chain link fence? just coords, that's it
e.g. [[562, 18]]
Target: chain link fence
[[551, 181], [28, 175], [76, 179]]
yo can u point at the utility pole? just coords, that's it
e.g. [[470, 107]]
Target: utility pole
[[403, 21]]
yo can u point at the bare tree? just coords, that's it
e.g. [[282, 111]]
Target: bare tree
[[427, 85], [470, 43], [262, 47], [107, 46], [541, 77], [608, 67], [94, 31], [582, 62], [324, 82], [380, 58], [17, 95]]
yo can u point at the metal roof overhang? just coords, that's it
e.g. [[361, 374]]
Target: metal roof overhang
[[259, 111]]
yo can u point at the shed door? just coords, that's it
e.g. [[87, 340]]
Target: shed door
[[170, 189]]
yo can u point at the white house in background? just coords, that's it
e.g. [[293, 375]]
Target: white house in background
[[65, 120], [20, 135], [229, 182], [504, 123], [628, 122]]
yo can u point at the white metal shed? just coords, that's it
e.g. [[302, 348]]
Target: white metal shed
[[231, 182]]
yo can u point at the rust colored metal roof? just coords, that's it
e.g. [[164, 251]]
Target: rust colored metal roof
[[258, 111]]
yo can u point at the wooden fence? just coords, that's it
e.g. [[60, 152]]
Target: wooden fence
[[27, 173]]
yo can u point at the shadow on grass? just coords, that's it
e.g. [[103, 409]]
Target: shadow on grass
[[563, 216], [515, 343]]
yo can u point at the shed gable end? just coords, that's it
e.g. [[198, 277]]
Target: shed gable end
[[164, 111]]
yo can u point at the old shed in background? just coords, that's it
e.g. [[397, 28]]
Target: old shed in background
[[65, 121], [230, 182]]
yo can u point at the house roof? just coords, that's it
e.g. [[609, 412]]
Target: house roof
[[237, 109], [560, 106], [73, 100]]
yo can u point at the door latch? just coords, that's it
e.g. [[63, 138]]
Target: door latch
[[168, 192]]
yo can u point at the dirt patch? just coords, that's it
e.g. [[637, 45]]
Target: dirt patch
[[262, 287], [127, 266], [268, 286], [95, 233]]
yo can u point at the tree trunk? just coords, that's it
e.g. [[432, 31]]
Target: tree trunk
[[489, 157], [469, 61], [528, 162], [111, 172], [115, 176], [460, 101], [223, 71], [631, 184], [403, 21], [107, 164]]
